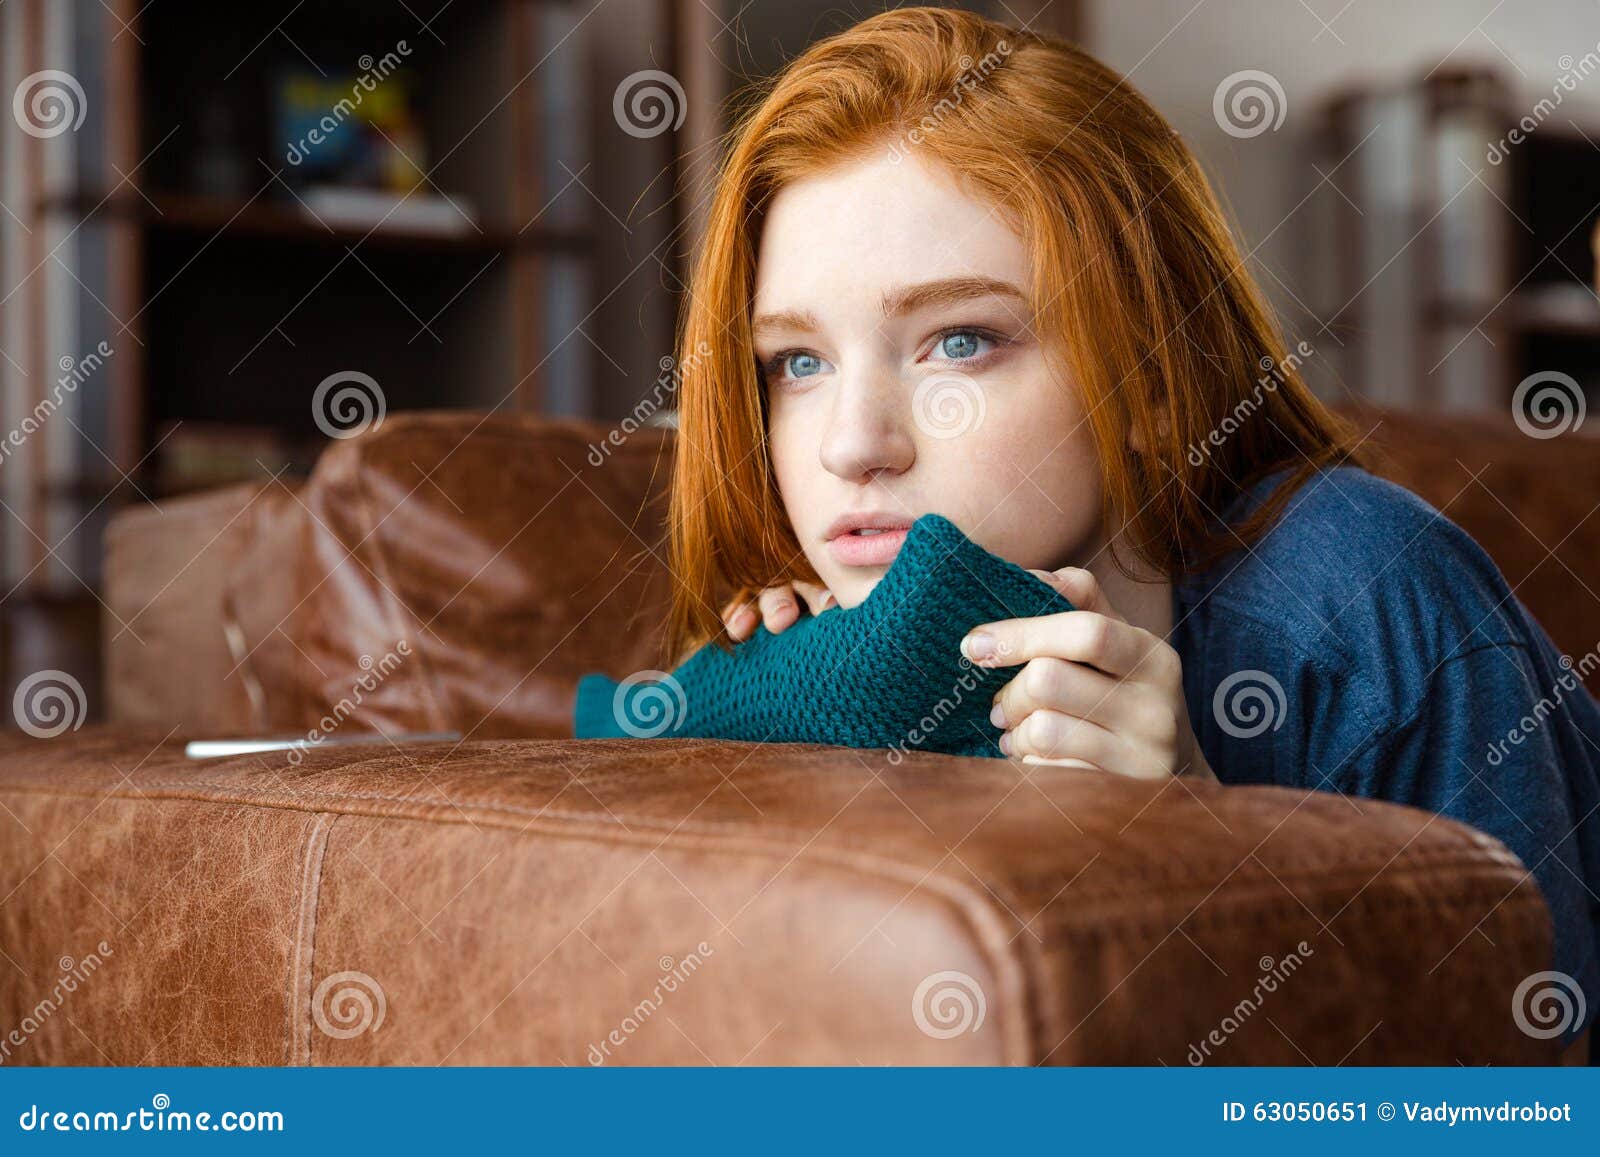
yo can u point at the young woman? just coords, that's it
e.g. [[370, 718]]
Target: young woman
[[953, 267]]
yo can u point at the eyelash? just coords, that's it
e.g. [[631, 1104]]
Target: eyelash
[[774, 364]]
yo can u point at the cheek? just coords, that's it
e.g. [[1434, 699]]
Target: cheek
[[792, 448], [1030, 479]]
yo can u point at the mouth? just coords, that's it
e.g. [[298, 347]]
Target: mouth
[[867, 539]]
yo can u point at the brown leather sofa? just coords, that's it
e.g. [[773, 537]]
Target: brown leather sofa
[[523, 897]]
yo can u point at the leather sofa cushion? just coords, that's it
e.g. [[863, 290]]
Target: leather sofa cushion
[[517, 902]]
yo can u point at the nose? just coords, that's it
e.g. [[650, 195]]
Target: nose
[[868, 429]]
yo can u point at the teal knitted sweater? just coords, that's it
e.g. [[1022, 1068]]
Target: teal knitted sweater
[[886, 673]]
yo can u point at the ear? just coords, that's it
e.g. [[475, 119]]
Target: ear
[[1136, 438]]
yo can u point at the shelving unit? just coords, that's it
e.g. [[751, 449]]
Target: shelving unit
[[1464, 262], [224, 299]]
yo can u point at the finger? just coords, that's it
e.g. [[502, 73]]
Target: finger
[[1113, 646], [816, 596], [740, 618], [779, 610], [1051, 684], [1080, 588], [1052, 735]]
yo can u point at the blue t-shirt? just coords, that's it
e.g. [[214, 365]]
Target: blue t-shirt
[[1367, 645]]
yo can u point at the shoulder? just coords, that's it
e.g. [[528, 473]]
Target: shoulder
[[1355, 601], [1356, 569]]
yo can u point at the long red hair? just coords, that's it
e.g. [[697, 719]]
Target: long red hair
[[1138, 285]]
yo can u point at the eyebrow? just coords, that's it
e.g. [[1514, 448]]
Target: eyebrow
[[899, 300]]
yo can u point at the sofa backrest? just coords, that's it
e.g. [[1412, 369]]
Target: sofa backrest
[[457, 571], [1532, 503]]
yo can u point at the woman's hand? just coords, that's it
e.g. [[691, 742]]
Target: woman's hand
[[777, 607], [1094, 690]]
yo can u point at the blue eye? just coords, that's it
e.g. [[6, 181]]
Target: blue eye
[[802, 365], [792, 365], [962, 344]]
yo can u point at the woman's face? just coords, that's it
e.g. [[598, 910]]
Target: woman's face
[[902, 377]]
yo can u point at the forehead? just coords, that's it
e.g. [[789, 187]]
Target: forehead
[[843, 234]]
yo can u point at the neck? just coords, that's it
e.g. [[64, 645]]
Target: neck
[[1144, 599]]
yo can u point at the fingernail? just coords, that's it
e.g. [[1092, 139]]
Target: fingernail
[[744, 617], [997, 716], [1005, 743], [978, 646]]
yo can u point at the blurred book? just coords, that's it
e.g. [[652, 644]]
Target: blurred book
[[368, 208], [201, 455], [351, 130]]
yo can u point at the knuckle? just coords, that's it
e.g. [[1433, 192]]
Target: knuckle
[[1041, 732], [1083, 582], [1044, 679], [1094, 632], [1169, 664], [1161, 722]]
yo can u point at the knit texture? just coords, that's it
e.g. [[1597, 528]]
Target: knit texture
[[887, 673]]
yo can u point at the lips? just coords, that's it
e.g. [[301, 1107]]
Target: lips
[[870, 538]]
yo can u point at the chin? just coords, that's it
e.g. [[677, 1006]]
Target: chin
[[852, 590]]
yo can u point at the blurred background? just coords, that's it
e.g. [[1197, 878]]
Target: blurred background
[[212, 216]]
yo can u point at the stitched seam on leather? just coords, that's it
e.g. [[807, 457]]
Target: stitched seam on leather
[[611, 820], [307, 898], [1264, 905], [291, 981]]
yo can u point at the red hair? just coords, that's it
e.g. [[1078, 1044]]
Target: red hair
[[1138, 286]]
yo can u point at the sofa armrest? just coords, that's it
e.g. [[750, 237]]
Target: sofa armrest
[[200, 593], [506, 552], [688, 901]]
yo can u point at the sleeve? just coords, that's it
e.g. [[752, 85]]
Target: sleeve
[[887, 673], [1487, 746]]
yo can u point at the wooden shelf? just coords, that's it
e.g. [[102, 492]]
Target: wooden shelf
[[271, 220]]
